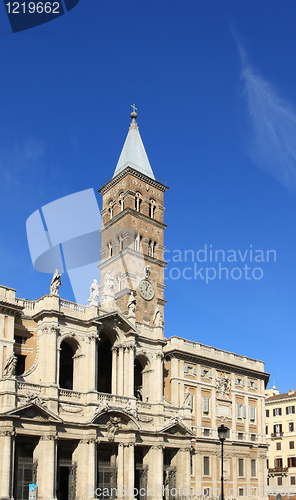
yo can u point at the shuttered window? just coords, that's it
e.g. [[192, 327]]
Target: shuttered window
[[241, 467], [206, 466], [253, 468], [205, 405]]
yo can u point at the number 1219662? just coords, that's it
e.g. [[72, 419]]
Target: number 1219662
[[31, 7]]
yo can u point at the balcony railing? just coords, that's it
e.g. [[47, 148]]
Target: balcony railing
[[278, 470], [275, 435]]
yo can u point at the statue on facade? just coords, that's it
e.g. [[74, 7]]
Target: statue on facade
[[157, 317], [187, 398], [112, 427], [94, 293], [131, 305], [10, 366], [223, 385], [55, 283], [109, 281], [108, 290]]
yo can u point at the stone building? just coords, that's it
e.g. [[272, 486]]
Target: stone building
[[96, 396], [281, 437]]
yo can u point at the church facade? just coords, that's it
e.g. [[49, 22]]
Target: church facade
[[97, 403]]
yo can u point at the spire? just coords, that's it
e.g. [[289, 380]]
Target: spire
[[133, 153]]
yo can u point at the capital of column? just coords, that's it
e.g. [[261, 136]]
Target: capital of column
[[49, 437], [8, 433], [157, 447]]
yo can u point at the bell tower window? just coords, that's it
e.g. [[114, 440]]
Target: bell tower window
[[137, 243], [121, 201], [111, 209], [138, 202], [120, 243], [110, 249], [151, 248], [152, 208]]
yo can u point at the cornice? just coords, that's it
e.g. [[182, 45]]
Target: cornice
[[131, 251], [135, 213], [134, 173], [220, 365], [9, 308]]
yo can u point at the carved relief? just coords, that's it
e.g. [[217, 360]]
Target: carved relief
[[112, 427]]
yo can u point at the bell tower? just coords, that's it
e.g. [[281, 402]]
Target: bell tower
[[132, 249]]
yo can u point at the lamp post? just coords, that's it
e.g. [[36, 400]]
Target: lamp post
[[222, 432]]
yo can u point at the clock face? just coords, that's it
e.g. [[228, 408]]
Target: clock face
[[146, 290]]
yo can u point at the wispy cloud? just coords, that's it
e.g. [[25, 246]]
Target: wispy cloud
[[273, 120]]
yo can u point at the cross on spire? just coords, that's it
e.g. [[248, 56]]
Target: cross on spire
[[134, 107]]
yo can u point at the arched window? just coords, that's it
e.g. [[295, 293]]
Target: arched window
[[138, 202], [66, 366], [104, 364], [121, 201], [137, 242], [110, 250], [151, 248], [111, 205], [152, 206], [120, 243]]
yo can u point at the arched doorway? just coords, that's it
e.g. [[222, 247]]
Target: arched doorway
[[66, 375], [104, 364]]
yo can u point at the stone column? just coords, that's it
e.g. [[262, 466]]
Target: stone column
[[158, 387], [92, 362], [129, 370], [131, 367], [120, 468], [129, 469], [126, 371], [114, 350], [46, 454], [174, 382], [183, 471], [120, 373], [155, 472], [6, 461], [85, 456]]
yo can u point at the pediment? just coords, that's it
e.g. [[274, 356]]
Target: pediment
[[102, 417], [177, 427], [117, 320], [33, 411]]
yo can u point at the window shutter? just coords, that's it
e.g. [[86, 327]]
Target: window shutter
[[249, 383], [210, 374], [287, 410], [252, 412], [202, 372], [236, 381], [194, 371], [256, 385], [274, 412], [253, 468], [206, 405], [244, 411], [243, 382], [185, 369], [191, 403], [293, 411], [280, 411]]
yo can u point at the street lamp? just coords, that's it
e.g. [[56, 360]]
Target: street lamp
[[222, 433]]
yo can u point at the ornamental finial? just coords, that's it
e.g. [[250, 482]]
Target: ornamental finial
[[134, 113]]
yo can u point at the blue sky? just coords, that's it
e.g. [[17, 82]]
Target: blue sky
[[214, 83]]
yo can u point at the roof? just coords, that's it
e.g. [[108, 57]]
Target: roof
[[133, 153], [281, 396]]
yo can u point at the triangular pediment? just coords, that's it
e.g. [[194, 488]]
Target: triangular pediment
[[177, 427], [117, 321], [32, 411]]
